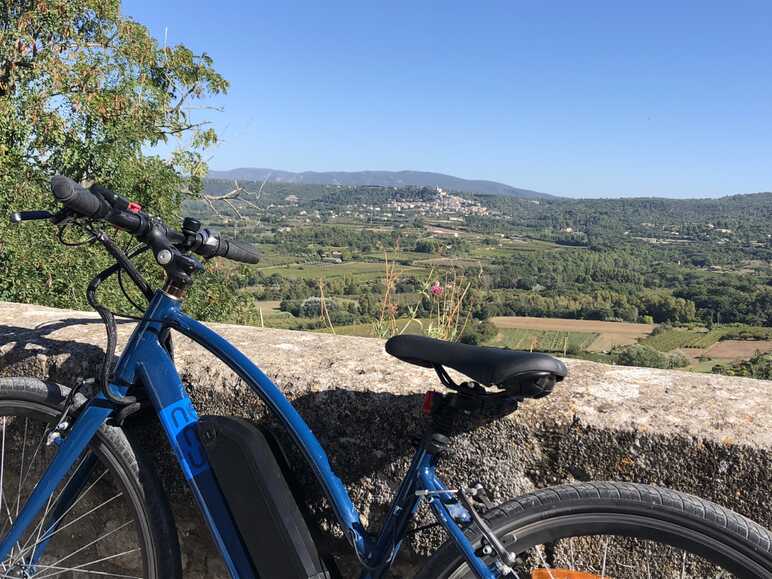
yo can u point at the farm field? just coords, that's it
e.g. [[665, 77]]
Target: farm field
[[738, 349], [513, 338], [607, 334], [701, 338], [366, 330], [356, 269], [668, 340], [522, 333], [543, 340]]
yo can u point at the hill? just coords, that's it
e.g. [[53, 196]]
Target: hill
[[380, 178]]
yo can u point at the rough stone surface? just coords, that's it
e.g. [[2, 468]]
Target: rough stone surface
[[703, 434]]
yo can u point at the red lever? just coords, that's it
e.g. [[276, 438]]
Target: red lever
[[134, 207], [428, 401]]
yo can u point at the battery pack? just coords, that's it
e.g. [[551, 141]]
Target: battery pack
[[271, 525]]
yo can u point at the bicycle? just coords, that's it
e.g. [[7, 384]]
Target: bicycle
[[69, 460]]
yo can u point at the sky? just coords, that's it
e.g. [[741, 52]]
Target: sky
[[576, 98]]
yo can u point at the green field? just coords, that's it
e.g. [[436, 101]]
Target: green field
[[701, 338], [543, 340], [367, 330], [356, 269], [513, 338], [671, 339]]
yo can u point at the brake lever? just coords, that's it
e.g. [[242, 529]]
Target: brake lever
[[20, 216], [55, 218]]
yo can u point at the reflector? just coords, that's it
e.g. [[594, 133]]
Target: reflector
[[564, 574]]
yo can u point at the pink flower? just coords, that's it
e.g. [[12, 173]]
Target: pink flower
[[436, 289]]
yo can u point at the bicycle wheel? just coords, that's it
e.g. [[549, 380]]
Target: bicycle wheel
[[115, 522], [618, 530]]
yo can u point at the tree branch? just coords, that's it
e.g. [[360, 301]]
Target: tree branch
[[234, 195]]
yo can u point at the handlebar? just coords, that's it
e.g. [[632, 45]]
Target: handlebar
[[77, 199], [103, 204]]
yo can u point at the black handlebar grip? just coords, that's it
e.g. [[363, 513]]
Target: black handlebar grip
[[115, 200], [237, 252], [78, 199]]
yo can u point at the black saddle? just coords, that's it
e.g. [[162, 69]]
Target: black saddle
[[530, 374]]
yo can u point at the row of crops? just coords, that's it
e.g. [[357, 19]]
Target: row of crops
[[666, 340], [544, 340]]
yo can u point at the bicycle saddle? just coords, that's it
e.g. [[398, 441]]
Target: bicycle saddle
[[529, 374]]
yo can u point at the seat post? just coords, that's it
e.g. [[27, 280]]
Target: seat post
[[438, 423], [443, 412]]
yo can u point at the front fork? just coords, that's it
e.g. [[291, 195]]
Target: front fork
[[72, 446], [68, 494]]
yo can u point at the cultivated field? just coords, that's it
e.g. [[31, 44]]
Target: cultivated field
[[543, 340], [607, 334], [355, 269], [700, 338], [738, 349]]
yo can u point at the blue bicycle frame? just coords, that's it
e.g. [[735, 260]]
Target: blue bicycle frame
[[146, 362]]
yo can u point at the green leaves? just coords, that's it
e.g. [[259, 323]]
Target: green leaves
[[84, 92]]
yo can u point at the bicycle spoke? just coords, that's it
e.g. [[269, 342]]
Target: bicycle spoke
[[94, 542], [2, 463], [43, 518], [81, 569], [40, 527], [86, 527], [59, 494], [21, 466], [605, 556], [87, 513], [10, 520], [648, 561], [544, 562]]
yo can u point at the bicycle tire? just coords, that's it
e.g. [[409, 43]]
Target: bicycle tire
[[161, 552], [629, 510]]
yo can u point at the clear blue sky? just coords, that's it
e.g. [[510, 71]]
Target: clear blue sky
[[581, 98]]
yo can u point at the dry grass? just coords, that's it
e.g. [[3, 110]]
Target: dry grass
[[738, 349], [572, 325]]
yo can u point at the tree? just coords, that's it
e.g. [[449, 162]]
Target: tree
[[85, 92], [426, 246]]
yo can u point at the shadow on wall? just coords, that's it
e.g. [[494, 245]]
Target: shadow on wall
[[368, 435], [62, 360]]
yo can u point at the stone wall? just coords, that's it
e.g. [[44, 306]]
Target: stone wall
[[708, 435]]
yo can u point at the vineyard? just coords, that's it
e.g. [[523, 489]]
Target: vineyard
[[543, 340], [670, 339]]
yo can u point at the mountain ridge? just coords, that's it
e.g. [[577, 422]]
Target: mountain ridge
[[379, 178]]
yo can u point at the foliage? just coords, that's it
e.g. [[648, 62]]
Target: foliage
[[648, 357], [759, 366], [478, 332], [84, 92]]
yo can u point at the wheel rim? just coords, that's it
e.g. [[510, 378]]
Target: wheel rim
[[96, 534], [631, 550]]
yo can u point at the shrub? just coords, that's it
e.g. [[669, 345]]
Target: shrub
[[677, 360], [640, 355], [478, 332], [759, 366]]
